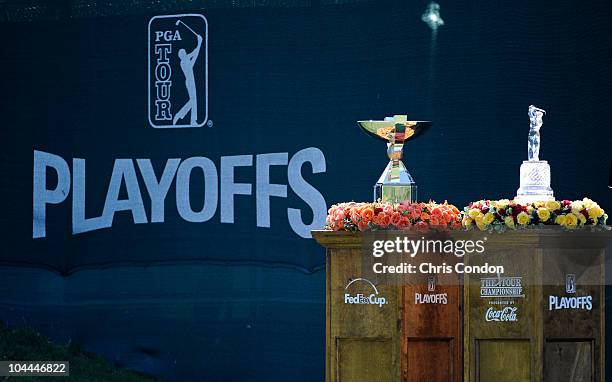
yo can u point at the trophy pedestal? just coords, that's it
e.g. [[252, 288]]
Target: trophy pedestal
[[535, 182], [395, 185]]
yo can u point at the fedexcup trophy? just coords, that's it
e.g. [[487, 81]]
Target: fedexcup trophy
[[395, 184], [535, 173]]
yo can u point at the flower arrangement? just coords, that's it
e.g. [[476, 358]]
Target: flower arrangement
[[353, 216], [504, 213]]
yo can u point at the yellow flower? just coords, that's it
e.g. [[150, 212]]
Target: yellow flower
[[543, 213], [561, 219], [582, 218], [539, 204], [588, 203], [595, 212], [467, 221], [571, 220], [522, 218], [480, 223], [552, 205], [502, 203], [509, 220], [473, 213], [488, 218]]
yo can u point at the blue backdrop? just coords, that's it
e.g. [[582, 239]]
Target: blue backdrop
[[238, 300]]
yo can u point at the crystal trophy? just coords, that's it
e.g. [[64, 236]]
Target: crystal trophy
[[395, 184], [535, 173]]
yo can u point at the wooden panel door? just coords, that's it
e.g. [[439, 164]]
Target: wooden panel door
[[364, 359], [431, 329], [430, 359], [503, 361], [570, 361]]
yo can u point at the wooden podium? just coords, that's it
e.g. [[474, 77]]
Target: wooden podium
[[542, 320], [402, 340]]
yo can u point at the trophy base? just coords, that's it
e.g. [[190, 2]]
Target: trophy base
[[532, 198], [535, 183], [395, 185], [392, 193]]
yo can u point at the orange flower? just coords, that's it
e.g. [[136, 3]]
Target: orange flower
[[362, 225], [338, 214], [355, 217], [383, 220], [401, 208], [367, 213], [434, 220], [403, 223], [376, 218], [395, 218]]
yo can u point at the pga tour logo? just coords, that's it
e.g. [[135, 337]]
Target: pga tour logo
[[431, 283], [364, 299], [570, 283], [178, 71]]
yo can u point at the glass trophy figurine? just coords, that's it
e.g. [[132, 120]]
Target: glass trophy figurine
[[535, 173], [395, 184]]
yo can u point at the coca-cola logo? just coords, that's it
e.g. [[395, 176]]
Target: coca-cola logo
[[507, 314]]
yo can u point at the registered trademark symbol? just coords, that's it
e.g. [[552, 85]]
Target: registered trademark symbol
[[209, 123]]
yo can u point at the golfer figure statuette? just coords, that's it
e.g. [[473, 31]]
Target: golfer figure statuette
[[535, 173], [395, 184]]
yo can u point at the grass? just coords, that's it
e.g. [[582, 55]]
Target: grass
[[23, 344]]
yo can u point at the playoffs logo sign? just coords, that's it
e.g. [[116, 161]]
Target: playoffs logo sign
[[178, 71], [431, 298], [570, 302]]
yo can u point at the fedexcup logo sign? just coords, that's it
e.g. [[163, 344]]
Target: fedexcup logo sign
[[178, 71], [363, 299]]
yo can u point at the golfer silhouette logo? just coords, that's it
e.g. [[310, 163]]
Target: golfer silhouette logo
[[178, 71]]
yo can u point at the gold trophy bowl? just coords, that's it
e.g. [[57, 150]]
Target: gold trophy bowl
[[395, 184]]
